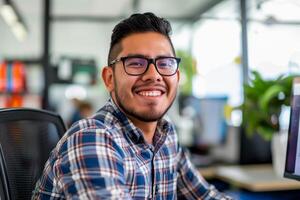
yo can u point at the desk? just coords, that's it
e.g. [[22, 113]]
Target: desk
[[256, 178]]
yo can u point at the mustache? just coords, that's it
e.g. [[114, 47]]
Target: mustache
[[149, 85]]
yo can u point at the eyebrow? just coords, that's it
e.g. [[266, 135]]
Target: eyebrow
[[144, 56], [137, 55]]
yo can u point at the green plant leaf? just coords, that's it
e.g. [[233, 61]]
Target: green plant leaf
[[262, 103], [269, 94]]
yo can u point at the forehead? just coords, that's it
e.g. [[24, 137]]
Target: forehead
[[149, 44]]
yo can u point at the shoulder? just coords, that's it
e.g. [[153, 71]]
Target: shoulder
[[88, 133], [89, 126]]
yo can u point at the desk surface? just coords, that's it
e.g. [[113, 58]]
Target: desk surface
[[255, 178]]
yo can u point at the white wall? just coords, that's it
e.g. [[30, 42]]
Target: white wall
[[81, 39]]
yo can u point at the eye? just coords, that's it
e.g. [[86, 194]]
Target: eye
[[166, 63], [135, 62]]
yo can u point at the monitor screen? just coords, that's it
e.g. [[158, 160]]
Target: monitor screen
[[209, 123], [292, 164]]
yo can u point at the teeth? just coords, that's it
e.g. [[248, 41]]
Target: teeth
[[150, 93]]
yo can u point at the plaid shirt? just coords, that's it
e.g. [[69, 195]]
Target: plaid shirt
[[106, 157]]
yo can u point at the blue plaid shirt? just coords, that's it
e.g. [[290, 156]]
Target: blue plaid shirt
[[106, 157]]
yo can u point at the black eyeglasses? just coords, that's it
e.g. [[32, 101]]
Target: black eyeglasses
[[138, 65]]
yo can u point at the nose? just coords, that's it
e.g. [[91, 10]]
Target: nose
[[152, 74]]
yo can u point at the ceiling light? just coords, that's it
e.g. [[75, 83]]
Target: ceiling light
[[13, 20], [8, 14]]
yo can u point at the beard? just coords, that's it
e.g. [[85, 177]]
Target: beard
[[145, 117], [151, 116]]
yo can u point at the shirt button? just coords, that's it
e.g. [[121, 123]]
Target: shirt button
[[151, 147]]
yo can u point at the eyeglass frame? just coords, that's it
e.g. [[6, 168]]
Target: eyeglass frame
[[149, 61]]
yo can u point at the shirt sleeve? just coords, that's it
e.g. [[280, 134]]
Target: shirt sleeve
[[90, 167], [190, 183]]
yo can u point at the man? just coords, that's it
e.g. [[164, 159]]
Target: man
[[127, 150]]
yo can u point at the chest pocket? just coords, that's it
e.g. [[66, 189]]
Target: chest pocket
[[138, 176], [168, 182], [166, 175]]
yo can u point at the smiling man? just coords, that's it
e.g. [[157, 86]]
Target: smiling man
[[127, 150]]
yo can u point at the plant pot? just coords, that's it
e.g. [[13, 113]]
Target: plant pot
[[278, 147]]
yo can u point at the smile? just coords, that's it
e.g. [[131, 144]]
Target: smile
[[153, 93]]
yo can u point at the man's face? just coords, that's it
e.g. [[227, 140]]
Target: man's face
[[148, 96]]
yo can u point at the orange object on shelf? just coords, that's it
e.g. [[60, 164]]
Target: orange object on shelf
[[14, 100], [12, 77], [18, 77], [3, 78]]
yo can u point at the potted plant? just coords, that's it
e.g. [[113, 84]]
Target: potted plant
[[263, 102], [262, 107]]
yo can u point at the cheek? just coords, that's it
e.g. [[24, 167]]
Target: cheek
[[123, 84], [173, 85]]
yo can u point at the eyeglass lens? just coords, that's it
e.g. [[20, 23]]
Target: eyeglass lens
[[136, 66]]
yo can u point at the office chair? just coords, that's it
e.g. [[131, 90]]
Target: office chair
[[4, 191], [27, 137]]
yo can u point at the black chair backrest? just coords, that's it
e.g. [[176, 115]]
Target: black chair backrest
[[27, 137], [4, 190]]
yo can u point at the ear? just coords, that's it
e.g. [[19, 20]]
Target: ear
[[178, 75], [108, 78]]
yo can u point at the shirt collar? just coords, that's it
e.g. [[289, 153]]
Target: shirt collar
[[114, 115]]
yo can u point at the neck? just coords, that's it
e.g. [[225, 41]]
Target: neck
[[147, 128]]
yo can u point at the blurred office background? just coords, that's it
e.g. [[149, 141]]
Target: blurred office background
[[52, 52]]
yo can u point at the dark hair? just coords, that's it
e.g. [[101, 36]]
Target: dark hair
[[137, 23]]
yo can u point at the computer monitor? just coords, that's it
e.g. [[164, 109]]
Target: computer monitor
[[292, 163], [209, 123]]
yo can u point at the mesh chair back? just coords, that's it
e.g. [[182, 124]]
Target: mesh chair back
[[27, 137], [4, 191]]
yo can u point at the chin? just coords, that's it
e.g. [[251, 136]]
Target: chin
[[148, 118], [150, 115]]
